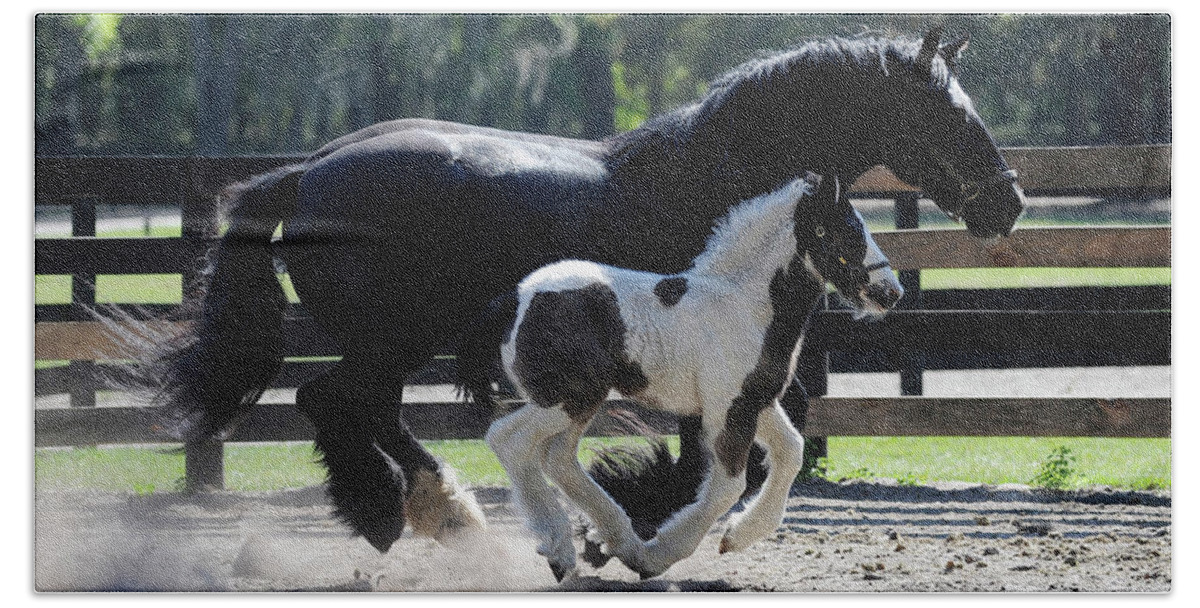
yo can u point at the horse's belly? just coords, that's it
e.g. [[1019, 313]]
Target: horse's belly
[[673, 393], [669, 363]]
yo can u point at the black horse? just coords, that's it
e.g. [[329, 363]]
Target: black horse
[[397, 235]]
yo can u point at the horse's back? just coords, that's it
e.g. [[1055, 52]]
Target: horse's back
[[453, 128], [427, 172], [420, 223]]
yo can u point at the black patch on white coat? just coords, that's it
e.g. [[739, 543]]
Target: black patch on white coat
[[670, 290], [570, 350], [794, 293]]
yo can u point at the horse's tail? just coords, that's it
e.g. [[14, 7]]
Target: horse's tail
[[209, 377], [478, 351]]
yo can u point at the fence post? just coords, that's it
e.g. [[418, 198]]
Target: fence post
[[82, 374], [912, 365], [204, 461]]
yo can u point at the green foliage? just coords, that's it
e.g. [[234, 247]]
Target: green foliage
[[859, 473], [101, 39], [825, 469], [819, 470], [246, 83], [1056, 471], [632, 106]]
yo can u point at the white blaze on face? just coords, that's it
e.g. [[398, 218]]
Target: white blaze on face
[[880, 276], [959, 97]]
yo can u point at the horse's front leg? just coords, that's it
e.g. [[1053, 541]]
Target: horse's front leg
[[519, 441], [785, 448], [612, 524]]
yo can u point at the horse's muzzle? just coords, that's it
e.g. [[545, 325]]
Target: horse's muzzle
[[993, 209], [886, 296]]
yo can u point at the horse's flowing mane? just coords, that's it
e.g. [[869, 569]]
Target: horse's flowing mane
[[828, 60], [753, 234]]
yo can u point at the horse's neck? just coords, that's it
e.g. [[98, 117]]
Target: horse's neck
[[752, 242], [666, 190]]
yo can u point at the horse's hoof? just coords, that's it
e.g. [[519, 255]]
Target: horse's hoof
[[439, 508], [594, 554], [638, 564], [646, 572], [561, 571]]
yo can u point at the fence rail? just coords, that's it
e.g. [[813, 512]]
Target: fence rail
[[949, 329]]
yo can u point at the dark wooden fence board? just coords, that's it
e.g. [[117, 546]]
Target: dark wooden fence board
[[1073, 247], [1141, 170], [115, 256], [982, 417], [967, 330]]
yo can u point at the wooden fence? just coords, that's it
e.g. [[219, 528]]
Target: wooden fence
[[940, 329]]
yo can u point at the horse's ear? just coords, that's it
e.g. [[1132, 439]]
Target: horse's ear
[[929, 48], [951, 51]]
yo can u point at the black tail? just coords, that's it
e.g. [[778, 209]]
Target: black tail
[[479, 349], [648, 483], [651, 485], [208, 378]]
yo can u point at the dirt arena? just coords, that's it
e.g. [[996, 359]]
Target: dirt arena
[[854, 536]]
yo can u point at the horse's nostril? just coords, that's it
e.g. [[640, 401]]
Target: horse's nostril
[[885, 296]]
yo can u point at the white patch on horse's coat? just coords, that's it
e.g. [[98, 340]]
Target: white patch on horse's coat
[[765, 511], [959, 97]]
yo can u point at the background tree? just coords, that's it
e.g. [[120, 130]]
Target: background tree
[[253, 84]]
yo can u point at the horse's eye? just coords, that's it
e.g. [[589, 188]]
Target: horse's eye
[[820, 231]]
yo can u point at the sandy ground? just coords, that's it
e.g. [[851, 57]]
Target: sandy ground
[[854, 536]]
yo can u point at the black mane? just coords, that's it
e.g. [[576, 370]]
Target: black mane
[[819, 59], [787, 90]]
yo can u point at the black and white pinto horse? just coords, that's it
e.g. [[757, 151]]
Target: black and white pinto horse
[[718, 341], [398, 235]]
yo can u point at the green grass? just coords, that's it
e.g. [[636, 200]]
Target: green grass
[[126, 289], [248, 467], [159, 231], [1123, 463]]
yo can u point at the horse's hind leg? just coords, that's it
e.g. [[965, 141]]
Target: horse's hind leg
[[367, 488], [436, 505], [378, 471], [785, 448]]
